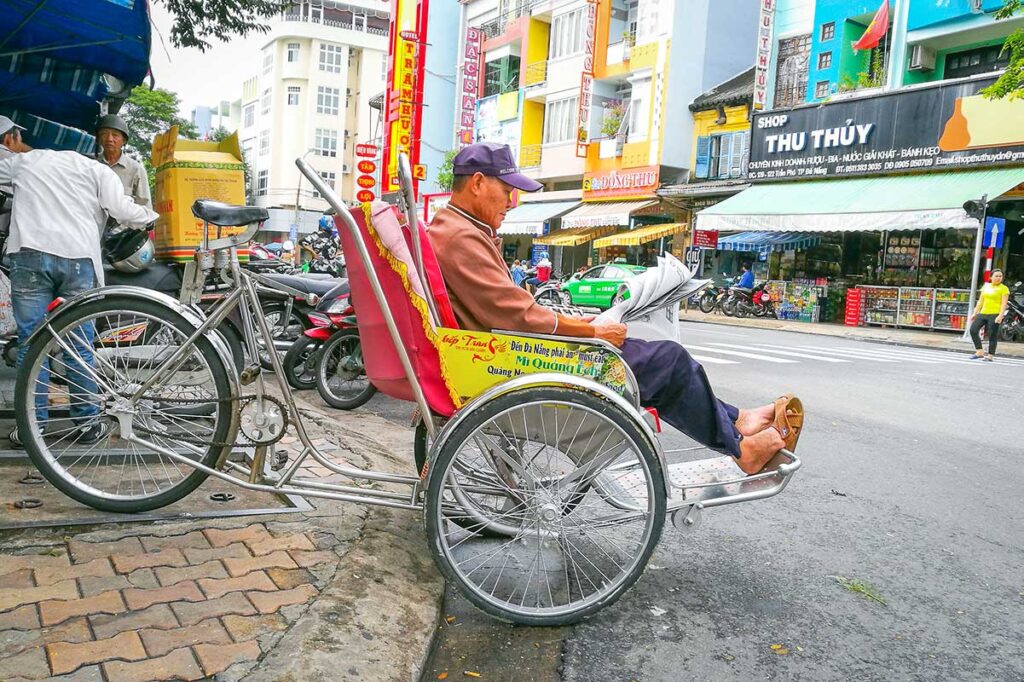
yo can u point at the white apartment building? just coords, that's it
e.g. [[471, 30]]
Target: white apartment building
[[320, 65]]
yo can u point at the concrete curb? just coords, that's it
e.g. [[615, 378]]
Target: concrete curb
[[893, 337]]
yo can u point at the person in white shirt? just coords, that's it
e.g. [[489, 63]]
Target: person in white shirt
[[10, 144], [61, 203]]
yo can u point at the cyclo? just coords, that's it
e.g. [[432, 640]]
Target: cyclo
[[542, 481]]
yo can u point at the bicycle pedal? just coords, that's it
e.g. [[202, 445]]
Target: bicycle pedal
[[249, 374], [279, 460]]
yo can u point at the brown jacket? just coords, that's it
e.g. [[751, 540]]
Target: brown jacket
[[480, 287]]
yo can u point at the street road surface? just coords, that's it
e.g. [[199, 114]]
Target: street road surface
[[895, 554]]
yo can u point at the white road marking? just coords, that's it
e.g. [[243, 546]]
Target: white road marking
[[712, 361], [782, 352], [846, 354], [752, 356]]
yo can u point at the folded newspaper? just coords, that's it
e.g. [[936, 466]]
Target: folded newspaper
[[651, 311]]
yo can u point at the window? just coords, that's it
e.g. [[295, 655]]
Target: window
[[971, 62], [330, 178], [264, 142], [560, 120], [501, 75], [326, 142], [262, 181], [791, 78], [639, 112], [330, 58], [293, 52], [268, 62], [265, 102], [328, 100], [293, 95], [722, 156], [249, 116], [384, 69], [828, 31], [594, 273], [567, 35], [821, 89], [825, 60]]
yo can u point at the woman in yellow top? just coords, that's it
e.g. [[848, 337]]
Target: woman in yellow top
[[989, 314]]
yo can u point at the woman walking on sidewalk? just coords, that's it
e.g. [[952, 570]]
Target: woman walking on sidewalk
[[989, 314]]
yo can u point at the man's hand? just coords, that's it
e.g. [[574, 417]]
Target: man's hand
[[614, 334]]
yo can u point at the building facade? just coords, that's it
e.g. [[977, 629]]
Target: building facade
[[880, 175], [588, 95], [319, 67]]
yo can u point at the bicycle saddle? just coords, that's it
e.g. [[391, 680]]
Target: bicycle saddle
[[222, 214], [320, 287]]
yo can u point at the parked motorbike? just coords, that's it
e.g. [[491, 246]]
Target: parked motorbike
[[1012, 328], [551, 292], [341, 375], [301, 361], [715, 298]]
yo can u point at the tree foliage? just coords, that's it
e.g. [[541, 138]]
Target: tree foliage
[[1011, 83], [197, 20], [445, 177], [149, 113]]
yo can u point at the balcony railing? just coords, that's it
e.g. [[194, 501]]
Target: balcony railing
[[536, 74], [496, 27], [529, 155], [362, 28]]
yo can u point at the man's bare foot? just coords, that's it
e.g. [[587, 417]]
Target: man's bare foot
[[754, 421], [757, 450]]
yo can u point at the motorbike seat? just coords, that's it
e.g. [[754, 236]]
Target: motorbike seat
[[341, 289], [320, 287], [743, 290], [219, 213]]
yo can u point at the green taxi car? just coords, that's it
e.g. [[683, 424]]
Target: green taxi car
[[599, 286]]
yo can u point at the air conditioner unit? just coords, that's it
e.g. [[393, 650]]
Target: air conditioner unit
[[345, 168], [922, 58], [976, 6]]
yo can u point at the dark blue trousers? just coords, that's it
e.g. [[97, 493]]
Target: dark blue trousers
[[676, 386]]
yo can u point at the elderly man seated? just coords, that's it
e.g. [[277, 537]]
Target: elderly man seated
[[464, 238]]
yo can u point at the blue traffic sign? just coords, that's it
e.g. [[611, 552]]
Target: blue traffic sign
[[995, 228]]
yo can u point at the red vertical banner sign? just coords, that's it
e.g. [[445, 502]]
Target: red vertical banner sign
[[586, 81], [471, 54], [404, 95]]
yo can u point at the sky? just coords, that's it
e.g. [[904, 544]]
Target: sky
[[200, 78]]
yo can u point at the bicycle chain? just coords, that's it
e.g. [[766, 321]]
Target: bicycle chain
[[241, 440]]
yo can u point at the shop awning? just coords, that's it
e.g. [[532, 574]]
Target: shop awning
[[530, 218], [641, 235], [603, 214], [920, 202], [766, 242], [575, 237]]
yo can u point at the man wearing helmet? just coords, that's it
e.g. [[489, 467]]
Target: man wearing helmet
[[112, 135], [322, 247]]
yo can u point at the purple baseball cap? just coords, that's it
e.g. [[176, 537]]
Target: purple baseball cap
[[493, 160]]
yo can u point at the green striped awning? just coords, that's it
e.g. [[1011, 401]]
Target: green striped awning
[[927, 201]]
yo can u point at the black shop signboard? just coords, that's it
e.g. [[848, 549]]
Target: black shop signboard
[[945, 127]]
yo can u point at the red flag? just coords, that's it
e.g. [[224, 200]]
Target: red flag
[[878, 27]]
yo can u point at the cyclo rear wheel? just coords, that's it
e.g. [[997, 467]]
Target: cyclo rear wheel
[[545, 504], [190, 413]]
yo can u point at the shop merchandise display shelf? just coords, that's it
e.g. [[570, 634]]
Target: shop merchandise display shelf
[[916, 306], [881, 304], [952, 308]]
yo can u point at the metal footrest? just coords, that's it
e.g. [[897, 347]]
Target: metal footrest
[[718, 480]]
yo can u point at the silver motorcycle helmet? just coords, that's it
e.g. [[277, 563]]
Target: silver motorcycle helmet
[[129, 251]]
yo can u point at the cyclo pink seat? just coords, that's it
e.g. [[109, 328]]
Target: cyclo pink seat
[[388, 243]]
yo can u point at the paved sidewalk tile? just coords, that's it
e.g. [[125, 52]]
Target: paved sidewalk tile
[[177, 665], [13, 596], [161, 642], [249, 627], [183, 591], [217, 658], [170, 557], [97, 568], [66, 658], [16, 562], [193, 540], [190, 614], [22, 618], [156, 616], [17, 580], [53, 612], [236, 550], [257, 580], [87, 551], [221, 538], [210, 569], [280, 559], [269, 602], [287, 542]]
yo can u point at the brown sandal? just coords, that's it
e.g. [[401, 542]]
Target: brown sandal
[[789, 419]]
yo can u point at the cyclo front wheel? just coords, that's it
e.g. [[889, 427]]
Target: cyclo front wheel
[[544, 505], [105, 350]]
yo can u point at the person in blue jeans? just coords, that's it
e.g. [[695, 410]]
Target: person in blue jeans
[[61, 201]]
